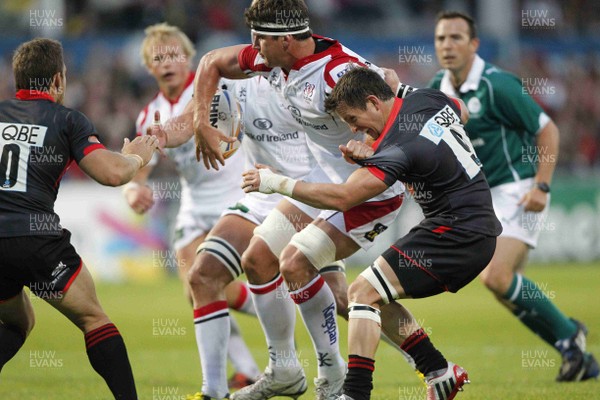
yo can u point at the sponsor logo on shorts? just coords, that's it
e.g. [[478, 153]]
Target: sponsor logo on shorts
[[371, 235]]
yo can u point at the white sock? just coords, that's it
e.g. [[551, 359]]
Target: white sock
[[244, 303], [212, 327], [318, 310], [239, 354], [277, 316]]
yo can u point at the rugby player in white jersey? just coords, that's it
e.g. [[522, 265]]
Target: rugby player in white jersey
[[167, 53], [301, 69], [270, 137]]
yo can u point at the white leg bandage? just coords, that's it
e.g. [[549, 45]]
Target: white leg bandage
[[382, 285], [224, 252], [276, 231], [364, 311], [316, 245]]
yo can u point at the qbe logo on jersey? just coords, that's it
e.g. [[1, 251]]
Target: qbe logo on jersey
[[16, 141]]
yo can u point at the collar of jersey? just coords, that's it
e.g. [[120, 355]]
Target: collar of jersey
[[24, 94], [391, 119], [189, 81], [317, 56], [472, 81]]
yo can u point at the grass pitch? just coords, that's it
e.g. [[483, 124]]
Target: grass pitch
[[504, 360]]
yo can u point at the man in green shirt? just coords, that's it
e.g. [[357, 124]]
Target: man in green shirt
[[518, 145]]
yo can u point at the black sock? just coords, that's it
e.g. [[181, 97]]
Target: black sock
[[359, 379], [108, 356], [427, 357], [11, 340]]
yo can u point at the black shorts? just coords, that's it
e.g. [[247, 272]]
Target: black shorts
[[430, 260], [46, 264]]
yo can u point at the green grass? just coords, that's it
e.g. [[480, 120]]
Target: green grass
[[469, 328]]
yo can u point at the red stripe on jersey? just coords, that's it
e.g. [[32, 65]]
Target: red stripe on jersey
[[64, 171], [455, 100], [388, 125], [309, 291], [68, 285], [377, 172], [370, 211], [145, 113], [269, 287], [333, 50], [247, 60], [330, 80], [92, 147], [24, 94], [210, 308], [174, 101], [441, 229]]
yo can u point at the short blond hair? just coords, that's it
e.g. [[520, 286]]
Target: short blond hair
[[160, 32]]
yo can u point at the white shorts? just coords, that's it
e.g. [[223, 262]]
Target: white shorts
[[190, 224], [254, 206], [361, 223], [516, 222]]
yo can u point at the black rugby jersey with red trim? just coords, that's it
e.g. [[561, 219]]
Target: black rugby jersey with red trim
[[38, 141], [423, 144]]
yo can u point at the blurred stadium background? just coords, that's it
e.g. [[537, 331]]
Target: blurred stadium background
[[550, 44], [553, 45]]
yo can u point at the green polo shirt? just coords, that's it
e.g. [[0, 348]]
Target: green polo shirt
[[504, 121]]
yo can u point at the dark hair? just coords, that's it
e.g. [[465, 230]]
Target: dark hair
[[291, 12], [457, 14], [36, 62], [355, 86]]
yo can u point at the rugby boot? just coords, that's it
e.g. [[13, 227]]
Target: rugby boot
[[268, 386], [445, 386], [325, 390], [577, 364]]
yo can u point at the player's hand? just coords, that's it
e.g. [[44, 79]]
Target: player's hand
[[534, 201], [265, 181], [143, 146], [391, 78], [139, 197], [356, 150], [156, 129], [208, 140]]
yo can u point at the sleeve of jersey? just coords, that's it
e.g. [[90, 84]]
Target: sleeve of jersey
[[515, 107], [82, 136], [251, 62], [388, 164], [337, 67]]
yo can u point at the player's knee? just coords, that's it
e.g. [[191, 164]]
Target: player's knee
[[291, 263], [259, 263], [216, 264], [360, 291], [497, 277]]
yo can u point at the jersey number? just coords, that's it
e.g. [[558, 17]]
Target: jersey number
[[9, 165]]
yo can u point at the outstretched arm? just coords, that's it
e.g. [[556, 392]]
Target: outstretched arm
[[360, 187], [214, 65]]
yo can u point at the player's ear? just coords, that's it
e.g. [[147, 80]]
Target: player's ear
[[374, 100], [474, 44]]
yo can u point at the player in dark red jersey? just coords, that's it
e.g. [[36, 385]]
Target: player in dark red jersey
[[39, 139], [447, 250]]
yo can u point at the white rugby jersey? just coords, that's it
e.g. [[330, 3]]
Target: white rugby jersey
[[271, 137], [303, 91], [208, 190]]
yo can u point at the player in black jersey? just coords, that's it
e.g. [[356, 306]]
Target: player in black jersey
[[39, 139], [420, 141]]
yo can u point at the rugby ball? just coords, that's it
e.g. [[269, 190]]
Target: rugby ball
[[226, 115]]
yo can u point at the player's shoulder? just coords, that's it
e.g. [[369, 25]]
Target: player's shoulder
[[436, 81], [498, 76]]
